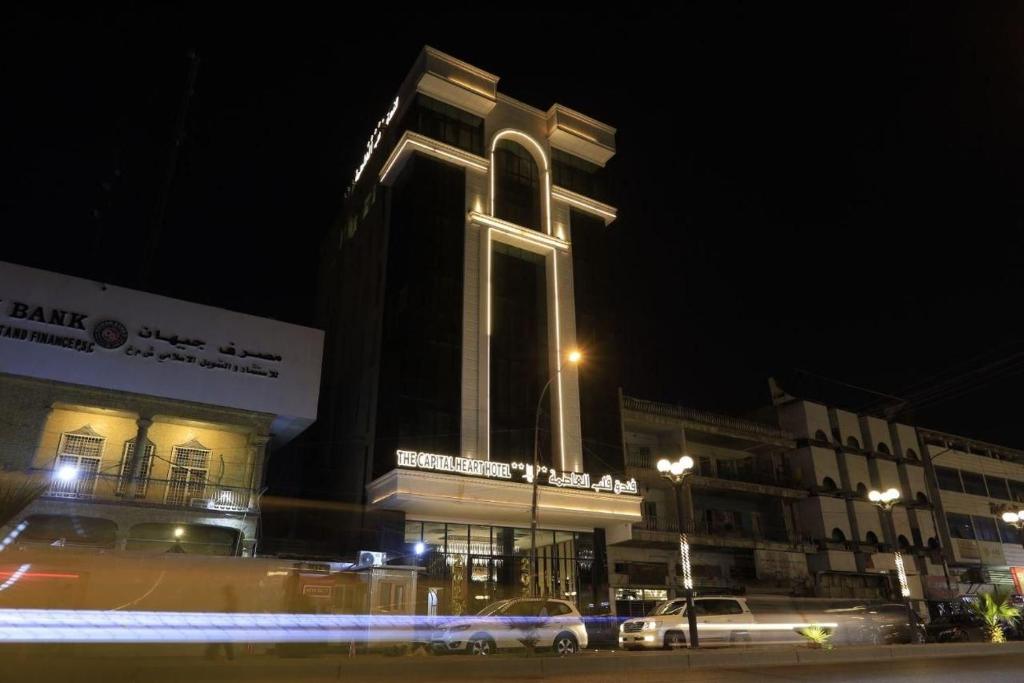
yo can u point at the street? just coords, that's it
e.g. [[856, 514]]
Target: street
[[735, 665]]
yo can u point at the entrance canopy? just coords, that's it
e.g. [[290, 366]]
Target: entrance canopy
[[452, 497]]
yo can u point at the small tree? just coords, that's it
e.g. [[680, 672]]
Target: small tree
[[996, 611]]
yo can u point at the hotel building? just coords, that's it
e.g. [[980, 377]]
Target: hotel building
[[469, 264]]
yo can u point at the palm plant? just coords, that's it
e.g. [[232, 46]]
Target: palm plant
[[817, 636], [996, 611]]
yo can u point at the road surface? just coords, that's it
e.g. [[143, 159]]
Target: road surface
[[192, 668]]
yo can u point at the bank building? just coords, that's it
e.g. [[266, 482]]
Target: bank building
[[458, 290]]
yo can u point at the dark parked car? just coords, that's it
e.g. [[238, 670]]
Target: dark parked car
[[886, 624]]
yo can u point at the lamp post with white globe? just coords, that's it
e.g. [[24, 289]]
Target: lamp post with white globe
[[678, 472], [886, 500], [1016, 520]]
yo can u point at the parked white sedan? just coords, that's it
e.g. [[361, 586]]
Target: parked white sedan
[[513, 624]]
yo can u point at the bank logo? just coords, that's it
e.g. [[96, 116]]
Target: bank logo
[[110, 334]]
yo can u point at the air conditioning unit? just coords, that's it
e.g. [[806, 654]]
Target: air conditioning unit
[[371, 558]]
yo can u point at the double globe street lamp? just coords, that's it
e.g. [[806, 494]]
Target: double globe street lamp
[[1016, 520], [886, 500], [677, 472]]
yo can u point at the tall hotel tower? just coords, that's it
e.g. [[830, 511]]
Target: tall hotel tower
[[471, 261]]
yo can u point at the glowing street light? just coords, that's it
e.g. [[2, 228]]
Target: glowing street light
[[1014, 518], [419, 548], [677, 472], [886, 500], [179, 532], [67, 474], [574, 358]]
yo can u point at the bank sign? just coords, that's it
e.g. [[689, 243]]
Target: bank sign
[[453, 464], [78, 331]]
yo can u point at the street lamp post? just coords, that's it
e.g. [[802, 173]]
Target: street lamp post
[[678, 472], [886, 500], [575, 357]]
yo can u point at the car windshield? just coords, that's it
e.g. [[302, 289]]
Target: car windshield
[[667, 607]]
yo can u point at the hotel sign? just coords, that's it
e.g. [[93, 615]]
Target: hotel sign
[[371, 144], [486, 469]]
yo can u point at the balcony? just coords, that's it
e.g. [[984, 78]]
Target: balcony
[[194, 492]]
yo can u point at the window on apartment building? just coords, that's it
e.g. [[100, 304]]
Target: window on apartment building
[[985, 529], [974, 483], [1016, 490], [638, 456], [188, 474], [949, 479], [77, 464], [997, 487], [144, 470], [960, 526]]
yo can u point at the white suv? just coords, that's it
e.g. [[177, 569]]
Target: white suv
[[513, 624], [720, 620]]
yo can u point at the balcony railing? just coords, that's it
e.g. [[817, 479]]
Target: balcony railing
[[712, 419], [656, 524], [193, 492]]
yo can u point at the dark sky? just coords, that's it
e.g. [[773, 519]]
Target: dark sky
[[832, 190]]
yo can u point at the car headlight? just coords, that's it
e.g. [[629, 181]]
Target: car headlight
[[650, 626]]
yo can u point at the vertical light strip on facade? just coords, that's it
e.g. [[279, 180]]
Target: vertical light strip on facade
[[558, 362]]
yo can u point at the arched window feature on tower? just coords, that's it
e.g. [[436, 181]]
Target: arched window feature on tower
[[912, 455], [828, 484], [862, 490], [904, 542], [852, 442], [821, 436], [883, 447], [517, 185], [838, 536], [922, 499], [871, 538]]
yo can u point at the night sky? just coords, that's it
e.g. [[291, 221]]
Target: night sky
[[819, 190]]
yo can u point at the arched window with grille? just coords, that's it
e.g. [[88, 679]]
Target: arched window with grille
[[77, 464], [188, 475]]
